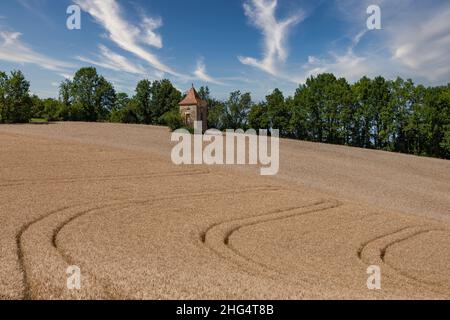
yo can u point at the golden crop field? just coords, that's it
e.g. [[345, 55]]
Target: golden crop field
[[108, 199]]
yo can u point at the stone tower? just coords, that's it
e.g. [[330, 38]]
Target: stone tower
[[193, 109]]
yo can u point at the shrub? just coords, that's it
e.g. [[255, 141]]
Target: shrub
[[173, 119]]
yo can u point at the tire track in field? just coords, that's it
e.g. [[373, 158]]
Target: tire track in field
[[217, 237], [20, 252], [26, 290], [125, 205], [24, 243], [68, 164], [22, 182], [57, 226], [373, 252]]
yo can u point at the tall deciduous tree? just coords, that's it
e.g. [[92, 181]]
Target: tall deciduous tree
[[321, 110], [143, 98], [363, 115], [164, 98], [258, 117], [204, 93], [237, 108], [90, 94], [105, 98], [299, 125], [277, 112], [18, 102], [382, 112], [83, 92], [217, 116], [37, 107]]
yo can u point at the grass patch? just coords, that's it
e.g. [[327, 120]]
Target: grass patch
[[39, 120]]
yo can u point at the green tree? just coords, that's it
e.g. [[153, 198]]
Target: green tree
[[173, 119], [445, 144], [401, 103], [130, 113], [37, 107], [105, 98], [164, 98], [217, 116], [204, 93], [383, 115], [363, 113], [66, 100], [415, 129], [91, 94], [121, 103], [347, 114], [18, 101], [3, 94], [436, 115], [83, 93], [320, 109], [299, 124], [258, 117], [143, 98], [278, 114], [237, 108], [52, 109]]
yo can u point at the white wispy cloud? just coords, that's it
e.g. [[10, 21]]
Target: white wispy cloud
[[423, 44], [128, 36], [262, 13], [150, 37], [414, 40], [13, 49], [347, 64], [66, 76], [201, 73], [110, 60]]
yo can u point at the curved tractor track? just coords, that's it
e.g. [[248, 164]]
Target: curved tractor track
[[38, 242], [217, 237], [375, 251]]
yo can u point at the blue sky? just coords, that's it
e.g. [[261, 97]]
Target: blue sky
[[250, 45]]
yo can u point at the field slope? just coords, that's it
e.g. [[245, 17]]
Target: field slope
[[108, 199]]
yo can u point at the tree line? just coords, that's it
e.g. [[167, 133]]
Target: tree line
[[381, 114], [88, 97], [395, 116]]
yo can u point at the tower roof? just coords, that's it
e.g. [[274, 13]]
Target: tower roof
[[192, 98]]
